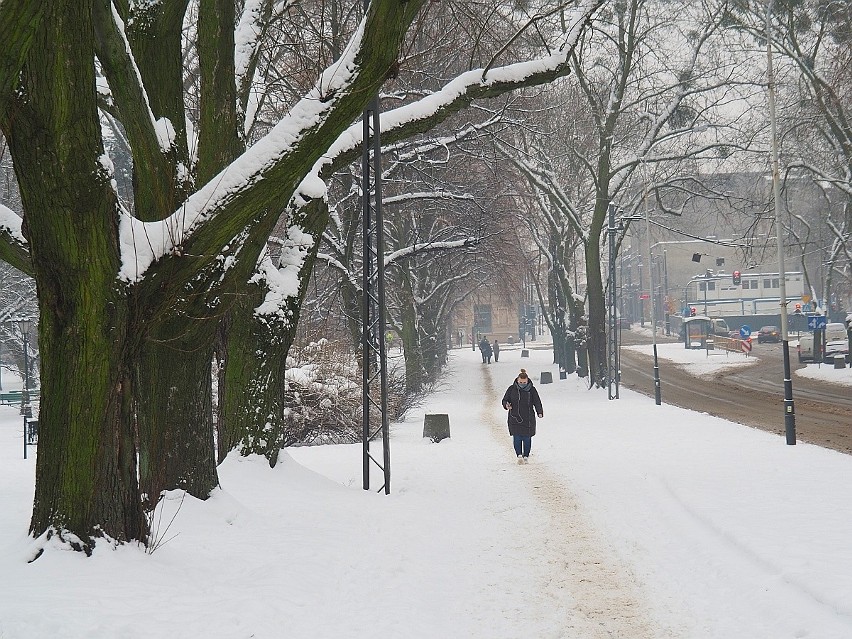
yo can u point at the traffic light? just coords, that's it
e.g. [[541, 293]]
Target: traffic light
[[692, 311], [737, 278]]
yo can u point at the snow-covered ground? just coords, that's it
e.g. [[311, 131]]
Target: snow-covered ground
[[631, 521], [707, 363]]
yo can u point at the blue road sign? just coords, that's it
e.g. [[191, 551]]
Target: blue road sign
[[745, 331], [816, 322]]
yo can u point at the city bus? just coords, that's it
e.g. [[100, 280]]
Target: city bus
[[756, 294]]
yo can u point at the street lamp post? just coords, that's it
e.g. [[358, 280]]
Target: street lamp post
[[24, 325], [789, 409], [657, 398], [666, 286]]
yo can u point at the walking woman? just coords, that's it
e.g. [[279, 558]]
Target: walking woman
[[523, 403]]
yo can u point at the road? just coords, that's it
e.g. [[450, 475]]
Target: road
[[752, 396]]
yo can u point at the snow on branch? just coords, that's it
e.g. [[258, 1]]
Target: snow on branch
[[475, 84], [427, 247], [10, 224], [282, 283], [126, 86], [427, 195], [143, 243], [14, 248]]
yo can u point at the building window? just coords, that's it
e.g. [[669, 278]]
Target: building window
[[776, 283], [711, 286], [482, 317], [767, 283]]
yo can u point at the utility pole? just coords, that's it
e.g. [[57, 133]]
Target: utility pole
[[657, 398], [374, 375], [789, 408], [612, 324]]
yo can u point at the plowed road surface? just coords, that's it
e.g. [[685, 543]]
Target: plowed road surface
[[751, 395]]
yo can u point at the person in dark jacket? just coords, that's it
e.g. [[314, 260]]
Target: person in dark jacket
[[485, 350], [523, 403], [496, 351]]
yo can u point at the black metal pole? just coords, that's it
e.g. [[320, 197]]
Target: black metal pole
[[366, 275], [612, 322], [789, 407], [25, 396], [666, 284], [657, 398], [380, 286]]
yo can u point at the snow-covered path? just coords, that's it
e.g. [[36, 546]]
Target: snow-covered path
[[581, 572]]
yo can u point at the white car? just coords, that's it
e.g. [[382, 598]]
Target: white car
[[806, 347], [836, 342]]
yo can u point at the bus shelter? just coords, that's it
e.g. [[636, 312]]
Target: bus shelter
[[696, 331]]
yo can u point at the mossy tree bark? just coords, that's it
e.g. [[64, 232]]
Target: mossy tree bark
[[19, 20], [86, 470], [252, 388], [175, 413], [92, 325]]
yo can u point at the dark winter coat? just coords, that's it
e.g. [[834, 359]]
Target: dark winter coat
[[525, 405], [485, 347]]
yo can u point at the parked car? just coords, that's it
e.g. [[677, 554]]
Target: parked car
[[806, 347], [720, 327], [768, 334], [836, 342], [623, 322]]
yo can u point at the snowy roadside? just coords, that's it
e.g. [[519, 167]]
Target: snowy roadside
[[631, 520], [703, 363]]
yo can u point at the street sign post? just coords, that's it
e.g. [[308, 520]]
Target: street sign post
[[745, 331], [816, 322], [745, 346]]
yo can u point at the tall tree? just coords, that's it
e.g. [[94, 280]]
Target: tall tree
[[811, 43], [111, 284], [651, 90]]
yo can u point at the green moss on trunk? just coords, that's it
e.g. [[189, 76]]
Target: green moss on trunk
[[175, 416], [86, 469]]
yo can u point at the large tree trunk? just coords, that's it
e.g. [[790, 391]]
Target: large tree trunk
[[255, 345], [175, 402], [412, 349], [251, 391], [596, 343], [175, 415], [86, 470]]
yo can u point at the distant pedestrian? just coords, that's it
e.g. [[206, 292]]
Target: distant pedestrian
[[485, 350], [496, 350], [523, 403]]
